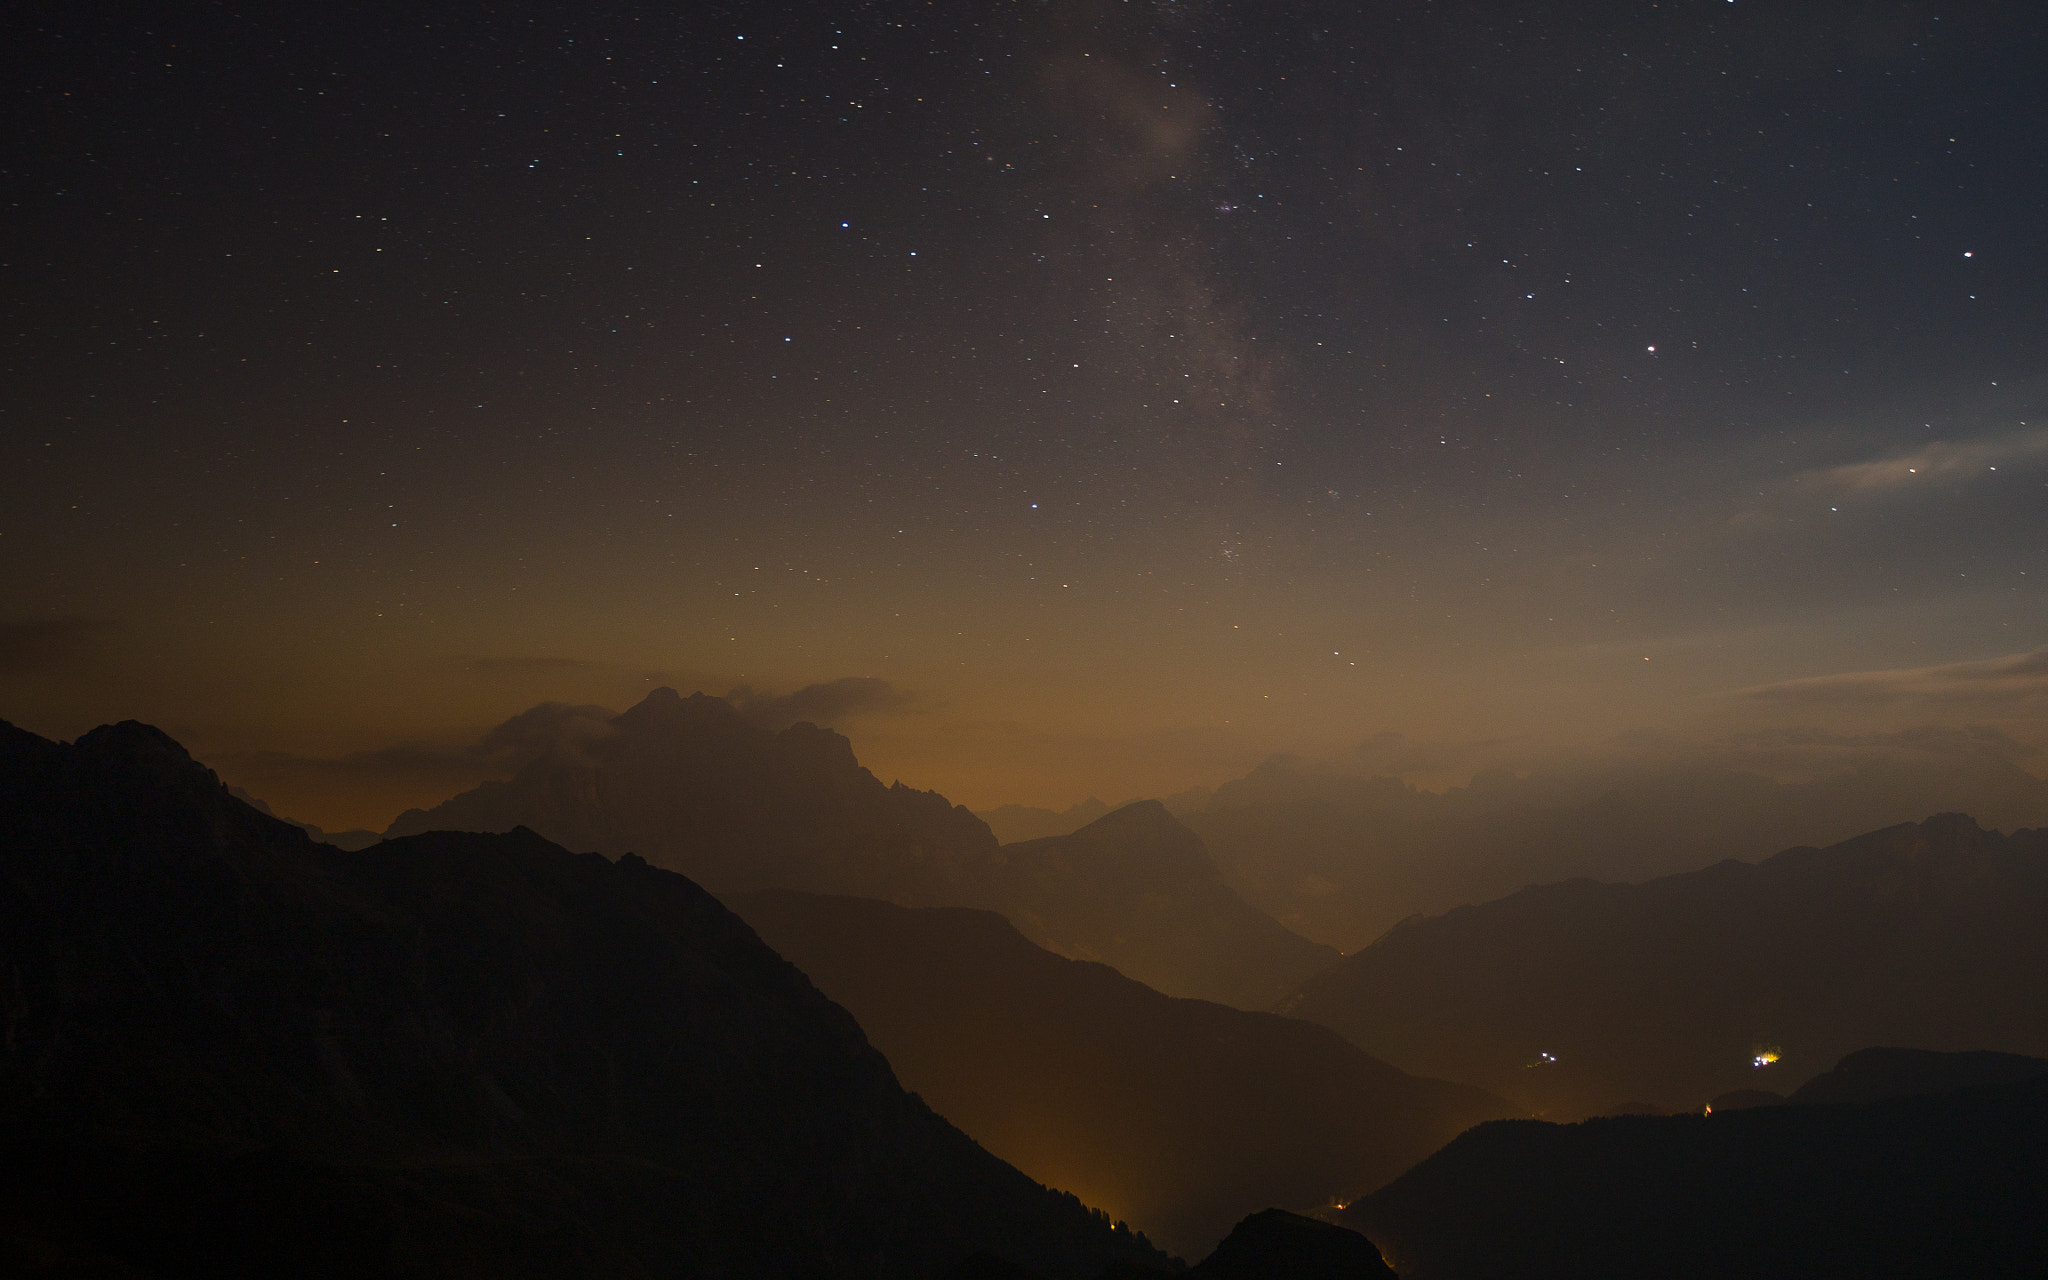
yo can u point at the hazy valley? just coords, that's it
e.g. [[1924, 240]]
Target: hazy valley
[[466, 1038]]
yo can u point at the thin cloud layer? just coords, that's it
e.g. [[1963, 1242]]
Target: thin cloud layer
[[2008, 682], [827, 703], [1943, 459], [548, 729]]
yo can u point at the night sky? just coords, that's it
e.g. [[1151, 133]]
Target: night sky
[[1135, 388]]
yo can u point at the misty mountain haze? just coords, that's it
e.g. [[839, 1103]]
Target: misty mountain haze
[[1137, 890], [232, 1051], [1014, 822], [1179, 1116], [348, 840], [1579, 997], [695, 785], [1340, 856]]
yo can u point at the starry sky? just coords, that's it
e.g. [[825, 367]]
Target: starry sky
[[1120, 390]]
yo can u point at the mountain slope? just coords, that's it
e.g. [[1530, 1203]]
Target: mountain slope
[[1136, 890], [1926, 934], [1016, 822], [1342, 858], [1179, 1116], [229, 1050], [1932, 1185], [691, 785]]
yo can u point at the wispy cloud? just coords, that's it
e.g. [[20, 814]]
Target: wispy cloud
[[826, 703], [2011, 682], [552, 729], [1942, 459]]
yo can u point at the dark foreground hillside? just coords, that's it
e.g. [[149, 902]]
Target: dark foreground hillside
[[1942, 1185], [1582, 998], [1179, 1116], [228, 1051]]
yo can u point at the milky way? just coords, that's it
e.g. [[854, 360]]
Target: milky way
[[1135, 388]]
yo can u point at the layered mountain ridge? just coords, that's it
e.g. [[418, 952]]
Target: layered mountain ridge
[[1180, 1116], [1579, 997], [1341, 858], [229, 1050], [690, 784]]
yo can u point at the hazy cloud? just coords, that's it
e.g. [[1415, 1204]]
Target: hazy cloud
[[538, 730], [46, 643], [534, 665], [1941, 459], [558, 729], [1398, 755], [824, 704], [413, 769], [2004, 683], [501, 752]]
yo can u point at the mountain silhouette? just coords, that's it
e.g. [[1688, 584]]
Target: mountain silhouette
[[1341, 858], [1947, 1184], [230, 1051], [1275, 1244], [1178, 1116], [1014, 822], [1574, 998], [693, 785], [349, 840], [1271, 1244], [1137, 890], [1872, 1075]]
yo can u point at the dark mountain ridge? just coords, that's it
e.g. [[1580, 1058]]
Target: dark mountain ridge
[[1941, 1183], [692, 785], [229, 1050], [1179, 1116], [1577, 997]]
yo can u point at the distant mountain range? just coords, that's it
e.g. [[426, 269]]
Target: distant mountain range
[[1180, 1116], [692, 785], [1940, 1172], [349, 840], [1137, 890], [229, 1050], [1581, 998], [1014, 822], [1341, 858]]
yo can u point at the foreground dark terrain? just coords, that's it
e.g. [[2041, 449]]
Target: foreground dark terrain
[[1180, 1116], [231, 1051], [1918, 1179]]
